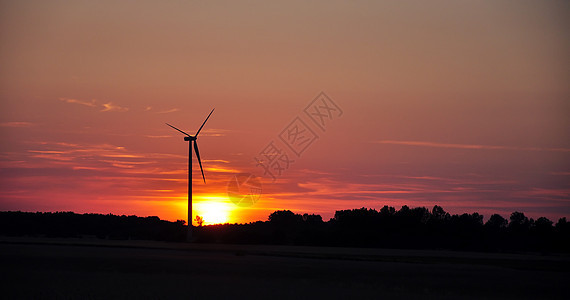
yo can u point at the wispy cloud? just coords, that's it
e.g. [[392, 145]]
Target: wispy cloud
[[112, 107], [168, 111], [213, 165], [16, 124], [216, 160], [104, 107], [82, 102], [215, 132], [560, 173], [163, 111], [220, 169], [466, 146]]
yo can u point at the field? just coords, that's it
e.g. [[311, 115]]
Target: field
[[100, 269]]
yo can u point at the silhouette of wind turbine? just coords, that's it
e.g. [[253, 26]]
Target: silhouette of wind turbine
[[191, 139]]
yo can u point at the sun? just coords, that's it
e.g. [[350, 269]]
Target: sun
[[213, 210]]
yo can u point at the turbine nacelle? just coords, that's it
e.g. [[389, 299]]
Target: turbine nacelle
[[189, 138]]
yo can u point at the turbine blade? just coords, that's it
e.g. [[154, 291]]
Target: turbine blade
[[199, 161], [178, 129], [204, 122]]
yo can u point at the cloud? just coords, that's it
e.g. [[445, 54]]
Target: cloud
[[16, 124], [466, 146], [216, 160], [112, 107], [220, 169], [214, 132], [168, 111], [102, 157], [109, 106], [75, 101], [560, 173]]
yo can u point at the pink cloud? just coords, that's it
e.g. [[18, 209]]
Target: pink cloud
[[466, 146], [16, 124]]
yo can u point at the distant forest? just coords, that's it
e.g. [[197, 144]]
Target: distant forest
[[408, 228]]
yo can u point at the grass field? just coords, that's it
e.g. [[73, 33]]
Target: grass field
[[100, 269]]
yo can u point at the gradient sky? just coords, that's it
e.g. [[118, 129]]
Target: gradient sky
[[463, 104]]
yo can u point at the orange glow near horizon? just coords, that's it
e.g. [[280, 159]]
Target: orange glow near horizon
[[213, 210]]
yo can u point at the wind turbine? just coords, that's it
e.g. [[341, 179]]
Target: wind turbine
[[191, 139]]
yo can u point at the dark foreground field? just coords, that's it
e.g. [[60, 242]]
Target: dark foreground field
[[98, 269]]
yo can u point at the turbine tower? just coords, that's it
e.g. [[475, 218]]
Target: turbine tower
[[191, 139]]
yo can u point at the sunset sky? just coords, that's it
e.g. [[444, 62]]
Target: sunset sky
[[463, 104]]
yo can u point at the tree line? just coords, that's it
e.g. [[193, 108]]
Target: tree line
[[410, 228], [69, 224]]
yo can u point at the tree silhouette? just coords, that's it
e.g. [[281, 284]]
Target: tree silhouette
[[563, 225], [496, 222], [439, 214], [519, 222], [284, 217], [199, 220], [543, 224], [312, 219]]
